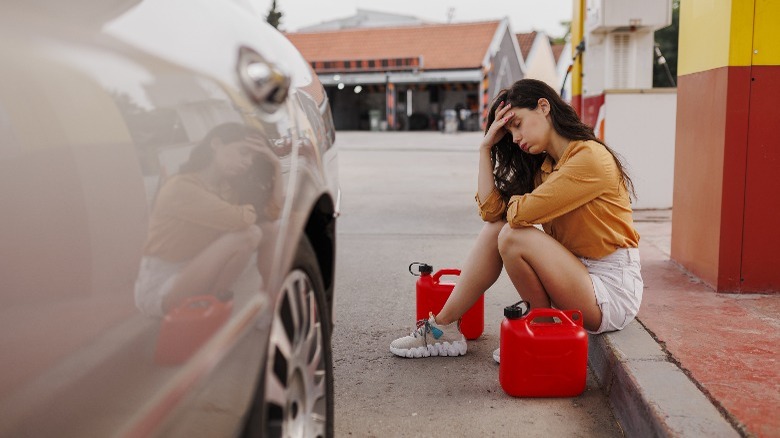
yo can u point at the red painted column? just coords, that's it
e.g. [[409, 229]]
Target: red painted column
[[390, 106], [761, 236], [727, 151]]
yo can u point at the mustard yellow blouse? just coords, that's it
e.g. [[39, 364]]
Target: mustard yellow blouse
[[580, 201], [187, 217]]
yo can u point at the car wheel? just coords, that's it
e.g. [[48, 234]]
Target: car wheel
[[298, 377]]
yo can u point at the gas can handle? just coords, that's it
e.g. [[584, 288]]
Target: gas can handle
[[575, 316], [567, 317], [443, 272]]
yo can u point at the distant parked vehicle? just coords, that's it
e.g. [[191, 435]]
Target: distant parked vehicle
[[169, 193]]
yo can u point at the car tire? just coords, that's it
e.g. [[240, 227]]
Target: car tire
[[296, 395]]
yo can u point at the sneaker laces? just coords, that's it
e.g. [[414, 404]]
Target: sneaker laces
[[424, 326]]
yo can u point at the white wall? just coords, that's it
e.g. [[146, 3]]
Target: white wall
[[606, 15], [640, 126], [541, 62], [564, 61], [618, 60]]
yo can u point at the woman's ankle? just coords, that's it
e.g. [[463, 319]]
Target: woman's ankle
[[441, 321]]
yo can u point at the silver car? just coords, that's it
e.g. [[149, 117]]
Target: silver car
[[169, 194]]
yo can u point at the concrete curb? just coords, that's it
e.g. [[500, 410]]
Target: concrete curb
[[650, 395]]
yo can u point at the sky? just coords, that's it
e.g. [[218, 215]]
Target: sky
[[524, 15]]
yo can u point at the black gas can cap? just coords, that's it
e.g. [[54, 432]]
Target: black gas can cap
[[517, 310], [422, 268]]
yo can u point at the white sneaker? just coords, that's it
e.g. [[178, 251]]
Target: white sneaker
[[497, 355], [431, 339]]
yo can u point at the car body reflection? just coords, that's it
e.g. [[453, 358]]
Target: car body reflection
[[138, 283]]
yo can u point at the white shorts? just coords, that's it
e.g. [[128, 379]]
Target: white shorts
[[154, 282], [618, 284]]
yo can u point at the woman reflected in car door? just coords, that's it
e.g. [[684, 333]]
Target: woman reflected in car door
[[201, 237]]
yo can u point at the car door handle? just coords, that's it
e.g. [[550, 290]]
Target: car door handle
[[265, 83]]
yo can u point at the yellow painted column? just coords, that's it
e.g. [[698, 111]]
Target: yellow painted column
[[577, 34]]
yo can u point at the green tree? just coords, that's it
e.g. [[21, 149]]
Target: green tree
[[274, 17], [666, 42], [566, 24]]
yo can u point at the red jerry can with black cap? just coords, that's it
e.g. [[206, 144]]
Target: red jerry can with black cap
[[432, 293], [544, 352], [188, 326]]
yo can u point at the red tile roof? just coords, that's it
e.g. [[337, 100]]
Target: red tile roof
[[442, 46], [525, 41]]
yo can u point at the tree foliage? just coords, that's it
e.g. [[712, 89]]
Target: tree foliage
[[274, 16], [666, 39], [566, 24]]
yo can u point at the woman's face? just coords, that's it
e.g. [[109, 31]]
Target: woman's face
[[234, 159], [530, 128]]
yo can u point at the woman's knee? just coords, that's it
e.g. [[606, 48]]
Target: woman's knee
[[511, 241], [488, 237], [243, 241], [250, 238], [493, 228], [254, 235]]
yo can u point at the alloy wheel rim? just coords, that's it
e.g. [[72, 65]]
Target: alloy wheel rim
[[295, 377]]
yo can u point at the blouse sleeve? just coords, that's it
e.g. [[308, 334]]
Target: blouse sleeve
[[493, 208]]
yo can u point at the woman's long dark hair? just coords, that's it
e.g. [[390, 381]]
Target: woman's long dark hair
[[202, 154], [514, 170]]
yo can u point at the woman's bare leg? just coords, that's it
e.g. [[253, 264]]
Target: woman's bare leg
[[480, 271], [214, 270], [544, 272]]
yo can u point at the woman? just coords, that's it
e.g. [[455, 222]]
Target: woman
[[539, 164], [200, 237]]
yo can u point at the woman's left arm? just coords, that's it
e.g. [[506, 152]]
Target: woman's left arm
[[584, 176]]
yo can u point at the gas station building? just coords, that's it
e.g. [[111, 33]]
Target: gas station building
[[413, 77]]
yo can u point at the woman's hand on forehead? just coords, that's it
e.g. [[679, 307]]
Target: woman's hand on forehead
[[502, 109], [503, 112], [498, 128]]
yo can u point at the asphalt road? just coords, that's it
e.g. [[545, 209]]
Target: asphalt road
[[410, 197]]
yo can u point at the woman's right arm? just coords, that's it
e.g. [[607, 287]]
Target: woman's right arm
[[491, 209], [485, 180]]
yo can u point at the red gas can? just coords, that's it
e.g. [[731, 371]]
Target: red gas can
[[432, 294], [188, 326], [539, 358]]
